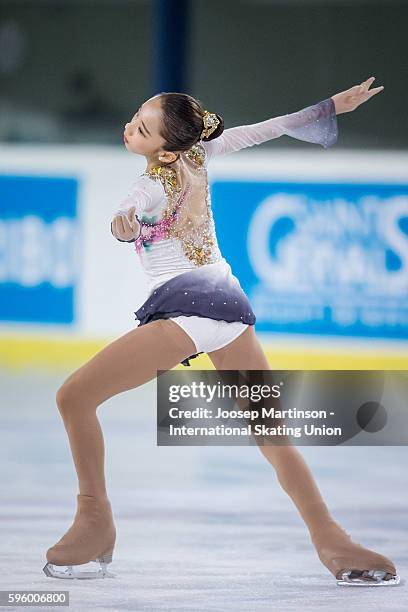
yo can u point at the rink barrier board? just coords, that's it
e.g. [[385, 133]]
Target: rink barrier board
[[55, 353], [90, 284]]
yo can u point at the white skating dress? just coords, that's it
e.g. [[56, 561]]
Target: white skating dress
[[189, 280]]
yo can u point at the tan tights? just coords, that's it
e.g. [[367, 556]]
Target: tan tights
[[334, 546], [246, 353], [133, 360], [125, 363]]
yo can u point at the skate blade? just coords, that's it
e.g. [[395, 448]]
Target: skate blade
[[70, 573], [373, 578]]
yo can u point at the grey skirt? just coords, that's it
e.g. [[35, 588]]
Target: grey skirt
[[207, 291]]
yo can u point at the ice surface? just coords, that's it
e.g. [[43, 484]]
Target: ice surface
[[205, 528]]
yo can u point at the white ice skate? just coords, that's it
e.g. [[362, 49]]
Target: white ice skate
[[71, 572], [91, 538], [368, 578]]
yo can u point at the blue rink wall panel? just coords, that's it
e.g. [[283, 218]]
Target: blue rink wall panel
[[324, 258], [318, 258], [38, 249]]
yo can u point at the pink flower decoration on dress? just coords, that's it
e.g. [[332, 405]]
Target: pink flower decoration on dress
[[153, 232]]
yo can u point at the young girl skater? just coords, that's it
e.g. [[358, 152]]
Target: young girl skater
[[195, 305]]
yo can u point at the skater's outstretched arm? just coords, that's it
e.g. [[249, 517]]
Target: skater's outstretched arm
[[316, 124]]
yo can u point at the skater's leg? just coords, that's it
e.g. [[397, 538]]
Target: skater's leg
[[334, 546], [125, 363], [246, 353]]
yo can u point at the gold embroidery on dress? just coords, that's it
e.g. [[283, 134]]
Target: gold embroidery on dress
[[167, 176], [189, 204], [197, 154]]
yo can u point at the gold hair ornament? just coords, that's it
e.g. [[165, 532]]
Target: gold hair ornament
[[211, 123]]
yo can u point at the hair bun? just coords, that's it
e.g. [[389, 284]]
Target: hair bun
[[218, 130]]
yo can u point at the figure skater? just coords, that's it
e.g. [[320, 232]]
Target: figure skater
[[195, 305]]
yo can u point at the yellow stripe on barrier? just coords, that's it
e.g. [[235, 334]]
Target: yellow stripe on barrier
[[60, 353], [48, 353]]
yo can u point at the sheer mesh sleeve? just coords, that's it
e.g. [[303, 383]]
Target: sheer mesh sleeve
[[316, 124], [144, 193]]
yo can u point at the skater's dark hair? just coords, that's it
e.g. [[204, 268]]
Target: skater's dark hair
[[183, 121]]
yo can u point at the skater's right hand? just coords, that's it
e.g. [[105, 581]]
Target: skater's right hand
[[125, 226]]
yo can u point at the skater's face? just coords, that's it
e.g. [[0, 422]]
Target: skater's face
[[142, 133]]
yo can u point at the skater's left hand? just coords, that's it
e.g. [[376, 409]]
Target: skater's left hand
[[350, 99]]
